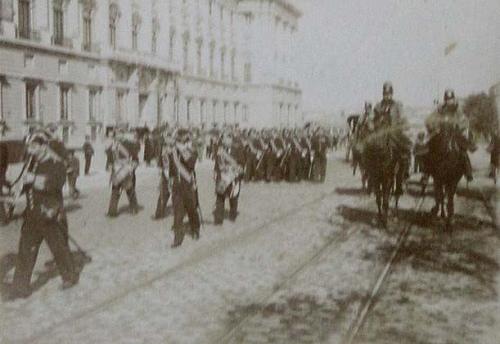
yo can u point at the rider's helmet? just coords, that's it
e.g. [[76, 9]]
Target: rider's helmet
[[449, 94], [387, 88]]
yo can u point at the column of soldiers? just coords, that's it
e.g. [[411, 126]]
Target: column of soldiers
[[239, 155]]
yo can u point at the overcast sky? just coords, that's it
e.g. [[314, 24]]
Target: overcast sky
[[348, 48]]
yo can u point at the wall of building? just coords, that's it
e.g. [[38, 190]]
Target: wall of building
[[193, 62]]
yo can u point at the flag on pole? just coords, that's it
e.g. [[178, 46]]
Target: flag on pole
[[449, 49]]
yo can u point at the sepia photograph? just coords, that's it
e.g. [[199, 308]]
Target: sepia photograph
[[249, 171]]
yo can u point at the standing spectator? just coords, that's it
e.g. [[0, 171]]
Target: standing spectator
[[73, 172], [88, 152]]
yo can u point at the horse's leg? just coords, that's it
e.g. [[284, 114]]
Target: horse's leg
[[438, 197], [386, 192], [451, 189]]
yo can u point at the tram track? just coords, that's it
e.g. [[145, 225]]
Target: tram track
[[215, 249]]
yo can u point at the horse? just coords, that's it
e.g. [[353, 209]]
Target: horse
[[357, 161], [445, 164], [381, 162]]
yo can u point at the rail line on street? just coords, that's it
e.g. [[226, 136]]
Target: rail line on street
[[361, 316], [217, 248]]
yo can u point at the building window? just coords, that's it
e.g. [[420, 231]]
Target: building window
[[24, 18], [171, 46], [245, 113], [211, 59], [58, 34], [87, 30], [185, 52], [136, 22], [114, 13], [64, 103], [233, 65], [199, 48], [222, 63], [154, 36], [135, 34], [93, 104], [188, 110], [247, 73], [120, 105], [31, 100], [154, 40]]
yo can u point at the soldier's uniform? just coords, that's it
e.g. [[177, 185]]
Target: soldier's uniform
[[165, 186], [319, 146], [307, 156], [295, 162], [261, 143], [450, 117], [389, 119], [184, 188], [44, 219], [228, 173], [273, 170], [125, 158]]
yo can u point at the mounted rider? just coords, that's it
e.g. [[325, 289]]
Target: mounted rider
[[449, 116], [389, 119]]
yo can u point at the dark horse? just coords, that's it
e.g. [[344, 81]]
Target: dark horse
[[383, 167], [445, 163], [357, 161]]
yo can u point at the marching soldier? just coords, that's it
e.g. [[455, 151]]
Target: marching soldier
[[276, 151], [319, 146], [228, 169], [88, 152], [184, 187], [295, 161], [125, 161], [44, 218], [165, 187], [449, 115], [307, 156], [254, 154]]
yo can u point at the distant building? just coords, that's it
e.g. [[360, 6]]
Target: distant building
[[87, 64]]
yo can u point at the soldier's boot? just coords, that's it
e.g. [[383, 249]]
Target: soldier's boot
[[113, 203], [233, 209], [132, 197], [178, 238], [219, 210], [468, 168]]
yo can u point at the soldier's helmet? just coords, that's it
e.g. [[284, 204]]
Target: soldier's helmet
[[39, 136], [449, 94], [183, 135], [387, 88]]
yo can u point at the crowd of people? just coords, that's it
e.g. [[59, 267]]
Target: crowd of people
[[239, 155]]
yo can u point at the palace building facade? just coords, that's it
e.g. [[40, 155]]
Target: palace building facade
[[90, 64]]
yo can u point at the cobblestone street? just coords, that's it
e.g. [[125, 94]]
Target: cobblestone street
[[296, 267]]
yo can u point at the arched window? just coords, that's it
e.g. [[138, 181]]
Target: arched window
[[24, 13], [88, 7], [114, 14], [58, 18], [154, 34], [136, 23]]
